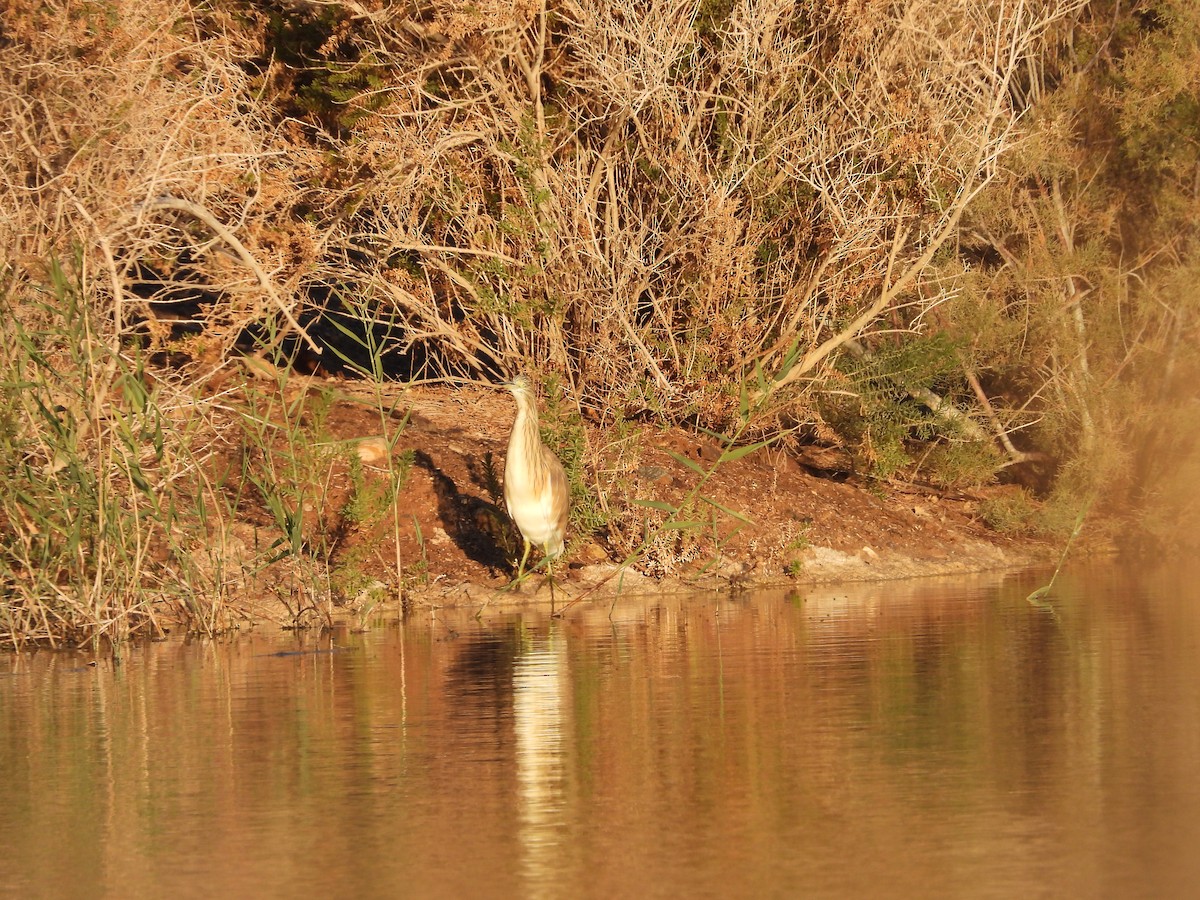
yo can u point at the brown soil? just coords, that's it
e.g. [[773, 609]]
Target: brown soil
[[808, 520]]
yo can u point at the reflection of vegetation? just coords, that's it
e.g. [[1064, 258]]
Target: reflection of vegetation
[[836, 722]]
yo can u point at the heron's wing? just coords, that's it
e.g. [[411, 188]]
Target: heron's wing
[[560, 488]]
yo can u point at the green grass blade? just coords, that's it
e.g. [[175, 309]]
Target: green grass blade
[[657, 504], [725, 509], [735, 453], [690, 463]]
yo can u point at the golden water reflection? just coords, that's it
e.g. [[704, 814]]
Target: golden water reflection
[[539, 720], [914, 739]]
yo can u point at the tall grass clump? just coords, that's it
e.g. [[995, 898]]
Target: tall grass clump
[[293, 468], [99, 505], [131, 140]]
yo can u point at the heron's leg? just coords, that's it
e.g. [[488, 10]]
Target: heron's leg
[[524, 559]]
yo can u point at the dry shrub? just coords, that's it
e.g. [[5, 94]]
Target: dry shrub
[[113, 106], [653, 201], [650, 201], [108, 108], [656, 202]]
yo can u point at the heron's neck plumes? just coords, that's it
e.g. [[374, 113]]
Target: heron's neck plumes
[[525, 433], [527, 417], [527, 414], [526, 406]]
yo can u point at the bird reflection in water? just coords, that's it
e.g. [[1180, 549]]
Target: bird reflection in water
[[539, 704]]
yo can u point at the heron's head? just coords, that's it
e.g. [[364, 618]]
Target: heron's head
[[520, 385]]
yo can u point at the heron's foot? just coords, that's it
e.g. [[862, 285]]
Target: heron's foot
[[533, 583], [530, 584]]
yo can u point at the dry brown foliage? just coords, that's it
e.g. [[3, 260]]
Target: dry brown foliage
[[654, 201], [711, 212], [649, 200]]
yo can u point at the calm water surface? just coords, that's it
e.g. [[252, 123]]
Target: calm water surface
[[907, 740]]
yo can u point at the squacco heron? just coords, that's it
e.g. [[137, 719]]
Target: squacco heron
[[536, 490]]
